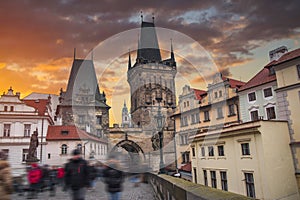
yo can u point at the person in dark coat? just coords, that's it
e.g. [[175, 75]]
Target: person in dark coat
[[76, 176], [113, 178]]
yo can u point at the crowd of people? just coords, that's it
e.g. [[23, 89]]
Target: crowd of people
[[76, 177]]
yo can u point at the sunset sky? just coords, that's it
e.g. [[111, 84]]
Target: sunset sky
[[37, 39]]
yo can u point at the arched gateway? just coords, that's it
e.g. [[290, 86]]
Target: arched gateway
[[131, 155]]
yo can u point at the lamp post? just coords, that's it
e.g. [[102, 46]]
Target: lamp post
[[160, 125]]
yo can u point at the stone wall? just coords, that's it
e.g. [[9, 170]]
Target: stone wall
[[172, 188]]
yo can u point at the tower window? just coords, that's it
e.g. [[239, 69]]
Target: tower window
[[99, 119]]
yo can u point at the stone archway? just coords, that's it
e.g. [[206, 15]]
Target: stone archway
[[134, 158]]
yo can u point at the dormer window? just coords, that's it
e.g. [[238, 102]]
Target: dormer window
[[64, 132]]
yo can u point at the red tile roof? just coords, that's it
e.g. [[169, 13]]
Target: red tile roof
[[286, 57], [234, 83], [39, 104], [199, 93], [260, 78], [74, 133], [264, 76], [187, 167]]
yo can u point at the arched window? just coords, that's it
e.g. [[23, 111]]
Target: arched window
[[64, 149]]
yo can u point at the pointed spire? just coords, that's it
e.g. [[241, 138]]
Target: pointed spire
[[138, 56], [172, 53], [141, 16], [129, 59], [153, 18], [124, 103], [74, 53], [92, 55]]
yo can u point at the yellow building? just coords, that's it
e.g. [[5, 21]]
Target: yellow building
[[200, 110], [287, 69], [252, 159], [220, 107], [187, 120]]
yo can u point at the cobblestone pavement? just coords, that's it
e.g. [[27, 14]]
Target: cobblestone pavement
[[142, 192]]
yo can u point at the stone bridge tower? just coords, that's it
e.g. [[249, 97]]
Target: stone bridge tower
[[151, 81]]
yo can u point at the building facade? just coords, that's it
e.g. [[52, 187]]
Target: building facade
[[199, 111], [187, 117], [287, 69], [18, 119], [61, 140], [252, 159], [258, 96]]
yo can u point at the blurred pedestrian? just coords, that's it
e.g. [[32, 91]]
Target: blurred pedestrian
[[52, 180], [92, 175], [60, 175], [113, 178], [6, 186], [45, 180], [76, 176], [34, 178]]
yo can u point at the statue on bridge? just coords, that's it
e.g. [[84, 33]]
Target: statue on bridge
[[34, 143], [155, 142]]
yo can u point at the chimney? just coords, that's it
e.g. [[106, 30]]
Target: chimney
[[277, 53], [18, 94]]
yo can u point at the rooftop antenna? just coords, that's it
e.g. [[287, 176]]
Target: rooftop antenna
[[92, 55], [142, 16], [74, 53]]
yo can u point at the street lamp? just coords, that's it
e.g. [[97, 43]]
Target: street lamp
[[160, 124]]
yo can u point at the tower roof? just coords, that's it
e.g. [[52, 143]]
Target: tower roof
[[83, 80], [148, 44], [124, 110]]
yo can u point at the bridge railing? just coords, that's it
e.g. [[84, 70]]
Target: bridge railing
[[171, 188]]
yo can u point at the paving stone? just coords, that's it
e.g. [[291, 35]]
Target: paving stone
[[142, 192]]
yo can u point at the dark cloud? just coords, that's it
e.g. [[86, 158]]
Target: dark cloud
[[33, 28]]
